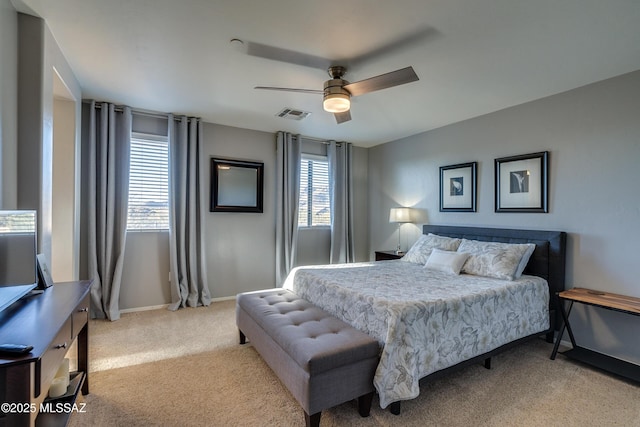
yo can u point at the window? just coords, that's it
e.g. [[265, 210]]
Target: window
[[18, 222], [314, 204], [148, 183]]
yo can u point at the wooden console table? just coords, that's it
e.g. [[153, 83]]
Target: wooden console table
[[606, 300], [49, 322]]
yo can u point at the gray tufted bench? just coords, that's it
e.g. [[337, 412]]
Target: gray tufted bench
[[320, 359]]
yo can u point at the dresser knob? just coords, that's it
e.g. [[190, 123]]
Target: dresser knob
[[63, 345]]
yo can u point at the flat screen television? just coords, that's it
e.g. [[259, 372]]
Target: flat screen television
[[18, 249]]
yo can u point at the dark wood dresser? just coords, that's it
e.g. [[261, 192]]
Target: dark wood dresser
[[49, 322]]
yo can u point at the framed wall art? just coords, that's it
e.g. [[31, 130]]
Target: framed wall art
[[522, 183], [236, 186], [458, 187]]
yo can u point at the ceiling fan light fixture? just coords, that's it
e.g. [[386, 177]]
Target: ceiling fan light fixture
[[336, 103], [336, 98]]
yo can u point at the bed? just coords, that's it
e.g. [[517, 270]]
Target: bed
[[429, 321]]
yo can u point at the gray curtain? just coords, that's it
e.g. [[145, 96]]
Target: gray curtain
[[342, 245], [287, 194], [187, 258], [109, 136]]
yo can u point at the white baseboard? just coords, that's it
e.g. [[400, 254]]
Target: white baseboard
[[157, 307], [151, 307], [223, 299]]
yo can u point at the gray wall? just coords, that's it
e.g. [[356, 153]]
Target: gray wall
[[240, 246], [8, 105], [593, 135], [145, 273]]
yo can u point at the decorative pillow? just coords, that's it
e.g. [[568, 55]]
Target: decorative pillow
[[421, 249], [447, 261], [493, 259], [525, 260]]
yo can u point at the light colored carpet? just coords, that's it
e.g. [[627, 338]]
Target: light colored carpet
[[186, 368]]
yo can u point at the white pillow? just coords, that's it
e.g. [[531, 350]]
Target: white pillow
[[421, 249], [493, 259], [447, 261]]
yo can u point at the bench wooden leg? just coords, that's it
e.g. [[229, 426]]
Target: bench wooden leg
[[487, 363], [312, 420], [394, 408], [243, 338], [364, 404]]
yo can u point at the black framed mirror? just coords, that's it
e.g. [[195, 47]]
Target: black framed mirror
[[236, 186]]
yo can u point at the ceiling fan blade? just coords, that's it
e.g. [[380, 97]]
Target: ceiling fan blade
[[383, 81], [283, 55], [288, 89], [342, 117], [416, 38]]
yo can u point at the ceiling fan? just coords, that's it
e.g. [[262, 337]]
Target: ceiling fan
[[337, 91]]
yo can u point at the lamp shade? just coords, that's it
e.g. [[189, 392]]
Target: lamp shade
[[400, 215]]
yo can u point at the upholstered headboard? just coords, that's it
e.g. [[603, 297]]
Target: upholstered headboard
[[547, 261]]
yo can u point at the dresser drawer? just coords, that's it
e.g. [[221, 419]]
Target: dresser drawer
[[80, 317], [52, 358]]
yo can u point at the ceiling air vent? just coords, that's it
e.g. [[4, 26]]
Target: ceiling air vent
[[290, 113]]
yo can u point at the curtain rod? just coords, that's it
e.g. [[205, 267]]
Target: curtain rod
[[148, 113], [320, 140]]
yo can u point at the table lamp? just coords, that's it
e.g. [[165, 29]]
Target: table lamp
[[399, 216]]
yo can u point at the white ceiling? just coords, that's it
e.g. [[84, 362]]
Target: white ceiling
[[472, 56]]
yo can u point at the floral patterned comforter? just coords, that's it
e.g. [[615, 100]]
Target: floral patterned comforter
[[425, 320]]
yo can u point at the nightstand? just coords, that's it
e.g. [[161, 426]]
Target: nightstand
[[388, 255]]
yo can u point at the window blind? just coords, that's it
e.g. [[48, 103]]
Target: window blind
[[148, 183], [18, 222], [314, 204]]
